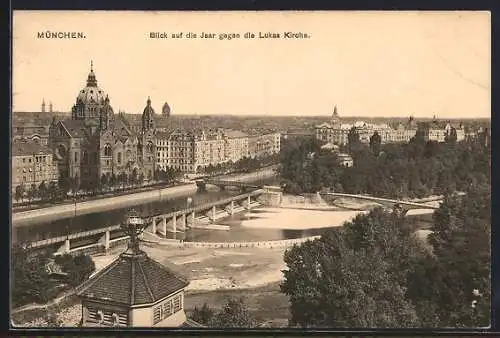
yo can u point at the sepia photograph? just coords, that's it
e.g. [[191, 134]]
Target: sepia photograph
[[286, 169]]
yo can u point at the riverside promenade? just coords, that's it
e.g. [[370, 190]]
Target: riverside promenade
[[82, 208]]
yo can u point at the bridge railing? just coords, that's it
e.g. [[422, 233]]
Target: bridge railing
[[207, 205], [380, 199]]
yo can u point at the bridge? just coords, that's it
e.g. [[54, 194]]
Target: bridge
[[223, 184], [199, 216], [405, 205]]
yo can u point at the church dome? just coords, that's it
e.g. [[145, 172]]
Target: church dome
[[148, 110], [166, 109], [92, 93]]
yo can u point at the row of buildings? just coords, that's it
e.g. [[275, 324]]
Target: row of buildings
[[95, 141], [336, 132]]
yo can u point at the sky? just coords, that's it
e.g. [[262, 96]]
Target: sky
[[366, 63]]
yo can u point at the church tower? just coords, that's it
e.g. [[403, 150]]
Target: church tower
[[165, 111], [43, 106], [106, 116], [335, 122], [148, 117], [89, 102], [148, 140]]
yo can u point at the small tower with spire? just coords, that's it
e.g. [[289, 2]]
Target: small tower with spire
[[335, 122], [134, 290], [50, 107], [43, 106], [91, 79]]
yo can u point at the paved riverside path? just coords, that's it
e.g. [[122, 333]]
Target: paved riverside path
[[86, 207]]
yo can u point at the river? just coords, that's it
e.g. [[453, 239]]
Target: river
[[47, 229]]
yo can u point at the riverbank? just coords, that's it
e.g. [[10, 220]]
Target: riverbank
[[52, 213], [82, 208]]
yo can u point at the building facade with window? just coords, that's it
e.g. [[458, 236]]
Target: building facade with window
[[190, 150], [264, 145], [32, 163], [337, 132], [96, 142]]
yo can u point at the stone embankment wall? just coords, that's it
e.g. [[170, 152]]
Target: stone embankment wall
[[82, 208]]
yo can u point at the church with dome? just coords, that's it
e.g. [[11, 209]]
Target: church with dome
[[95, 141]]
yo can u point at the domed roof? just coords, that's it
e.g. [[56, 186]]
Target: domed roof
[[148, 110], [166, 109], [92, 93]]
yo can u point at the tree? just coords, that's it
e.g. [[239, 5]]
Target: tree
[[113, 180], [451, 137], [450, 280], [104, 181], [203, 315], [353, 139], [32, 192], [375, 142], [51, 191], [75, 184], [234, 314], [79, 267], [30, 282], [330, 286], [43, 191], [19, 193]]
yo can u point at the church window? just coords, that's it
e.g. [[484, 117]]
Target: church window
[[76, 156], [119, 158], [96, 158], [107, 150], [85, 157]]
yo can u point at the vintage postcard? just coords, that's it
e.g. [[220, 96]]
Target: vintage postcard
[[251, 169]]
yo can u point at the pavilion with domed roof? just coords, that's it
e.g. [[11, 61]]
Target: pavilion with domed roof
[[134, 290]]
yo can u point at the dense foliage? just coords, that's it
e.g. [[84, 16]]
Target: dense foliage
[[415, 169], [31, 281], [234, 314], [374, 272], [243, 165]]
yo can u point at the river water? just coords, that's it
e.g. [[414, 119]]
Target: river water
[[237, 233]]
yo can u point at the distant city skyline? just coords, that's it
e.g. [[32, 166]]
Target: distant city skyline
[[368, 64]]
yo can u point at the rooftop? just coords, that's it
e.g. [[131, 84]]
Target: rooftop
[[133, 278], [29, 148]]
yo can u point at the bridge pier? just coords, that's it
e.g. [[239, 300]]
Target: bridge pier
[[249, 201], [231, 208], [174, 224], [183, 222], [214, 212], [67, 246], [192, 218], [105, 240], [153, 226], [164, 225]]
